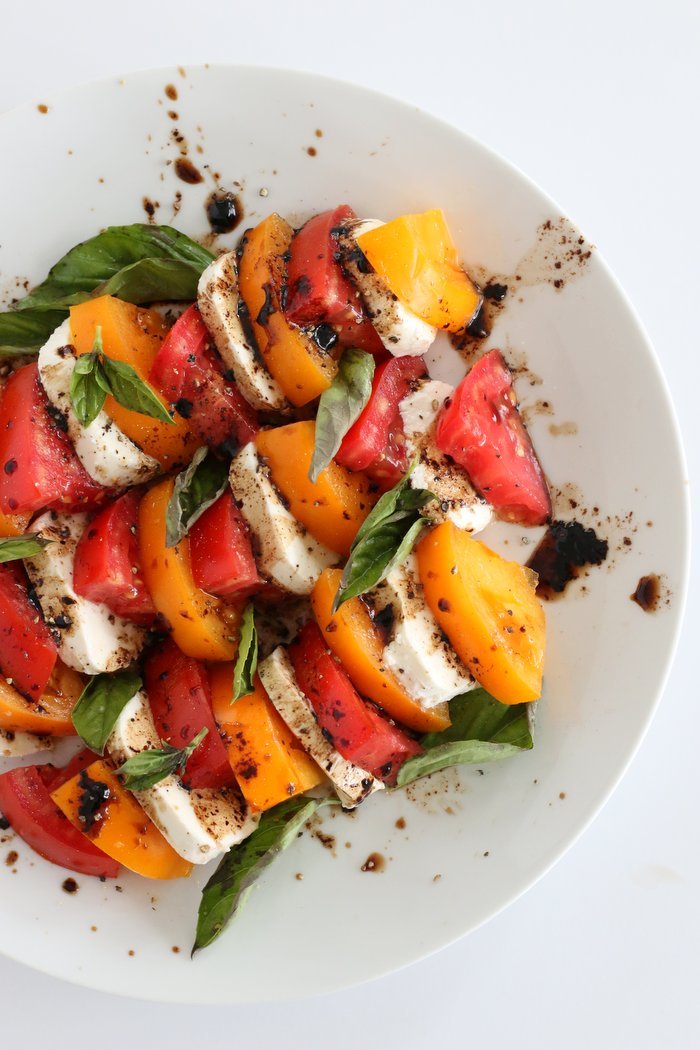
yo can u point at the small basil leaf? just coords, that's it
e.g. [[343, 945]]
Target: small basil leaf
[[101, 702], [247, 659], [87, 393], [196, 488], [25, 332], [147, 768], [12, 548], [340, 406], [131, 391]]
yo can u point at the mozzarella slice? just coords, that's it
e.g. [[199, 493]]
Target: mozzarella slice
[[352, 784], [285, 552], [458, 501], [200, 824], [217, 295], [417, 651], [403, 333], [108, 455], [90, 637], [17, 745]]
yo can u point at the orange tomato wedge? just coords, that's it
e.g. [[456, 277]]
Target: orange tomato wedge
[[355, 640], [121, 829], [13, 524], [52, 713], [418, 259], [201, 625], [133, 335], [302, 370], [488, 609], [332, 508], [269, 763]]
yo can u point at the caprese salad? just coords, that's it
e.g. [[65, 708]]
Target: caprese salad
[[237, 543]]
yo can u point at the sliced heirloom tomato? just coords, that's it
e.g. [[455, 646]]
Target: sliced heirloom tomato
[[13, 524], [481, 428], [180, 699], [357, 642], [318, 289], [334, 506], [354, 728], [107, 567], [269, 763], [488, 609], [38, 465], [222, 555], [201, 625], [51, 712], [116, 823], [28, 652], [301, 368], [189, 373]]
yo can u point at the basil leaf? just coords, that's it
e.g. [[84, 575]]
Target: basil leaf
[[232, 881], [12, 548], [87, 389], [340, 406], [128, 388], [147, 768], [196, 488], [482, 730], [25, 332], [247, 659], [101, 702]]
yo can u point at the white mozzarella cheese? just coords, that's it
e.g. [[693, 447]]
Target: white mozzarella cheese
[[352, 784], [200, 824], [218, 300], [457, 500], [417, 651], [286, 554], [14, 744], [403, 333], [108, 455], [90, 637]]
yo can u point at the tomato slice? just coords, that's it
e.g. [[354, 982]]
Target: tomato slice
[[51, 712], [55, 776], [354, 728], [107, 562], [221, 552], [180, 697], [27, 650], [189, 373], [374, 443], [319, 291], [26, 802], [481, 428], [38, 466]]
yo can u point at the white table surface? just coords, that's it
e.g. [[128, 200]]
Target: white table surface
[[598, 103]]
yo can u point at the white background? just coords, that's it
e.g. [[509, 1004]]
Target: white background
[[597, 102]]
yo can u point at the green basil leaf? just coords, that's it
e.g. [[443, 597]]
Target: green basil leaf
[[12, 548], [482, 730], [147, 768], [130, 390], [196, 488], [101, 702], [87, 389], [232, 881], [26, 331], [247, 658], [340, 406]]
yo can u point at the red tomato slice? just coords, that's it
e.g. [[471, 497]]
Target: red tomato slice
[[189, 373], [38, 466], [55, 776], [178, 689], [27, 650], [221, 552], [25, 801], [354, 728], [374, 441], [481, 428], [107, 567], [319, 291]]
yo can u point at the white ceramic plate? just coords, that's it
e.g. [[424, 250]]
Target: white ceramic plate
[[474, 840]]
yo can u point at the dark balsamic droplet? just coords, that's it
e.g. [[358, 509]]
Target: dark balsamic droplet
[[495, 292], [185, 170], [224, 211], [565, 547], [647, 592], [325, 337]]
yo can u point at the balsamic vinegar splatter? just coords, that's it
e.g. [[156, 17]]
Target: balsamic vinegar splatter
[[224, 211], [564, 549], [647, 592]]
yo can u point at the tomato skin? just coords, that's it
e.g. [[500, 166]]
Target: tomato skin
[[354, 728], [319, 291], [481, 428], [54, 776], [189, 373], [26, 802], [38, 466], [105, 559], [28, 652], [180, 698], [221, 552]]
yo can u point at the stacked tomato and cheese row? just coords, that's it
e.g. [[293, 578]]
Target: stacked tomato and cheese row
[[342, 703]]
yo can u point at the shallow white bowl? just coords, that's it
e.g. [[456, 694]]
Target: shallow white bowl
[[90, 161]]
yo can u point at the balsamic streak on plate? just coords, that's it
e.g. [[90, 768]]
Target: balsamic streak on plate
[[564, 549]]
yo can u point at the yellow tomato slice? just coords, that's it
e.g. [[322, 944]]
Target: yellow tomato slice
[[13, 524], [51, 713]]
